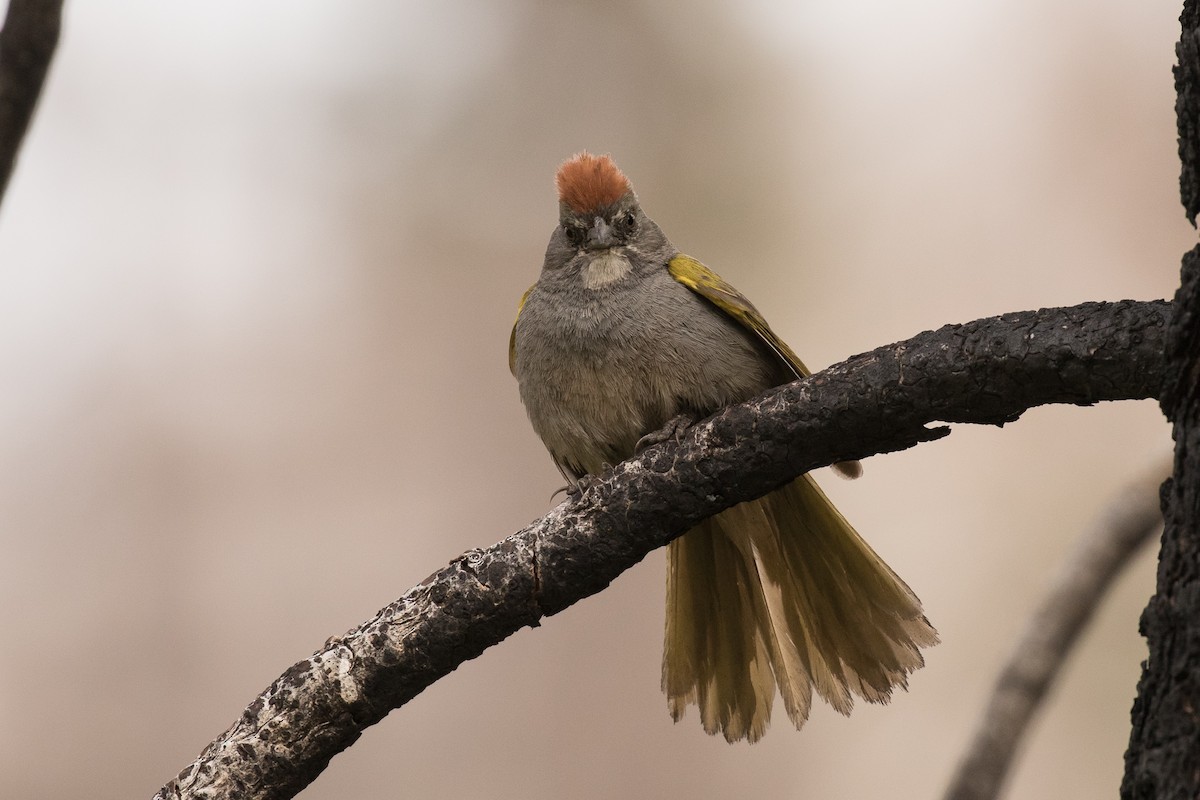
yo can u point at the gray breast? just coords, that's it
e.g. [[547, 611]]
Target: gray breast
[[598, 369]]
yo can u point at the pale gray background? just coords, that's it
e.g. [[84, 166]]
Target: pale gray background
[[257, 272]]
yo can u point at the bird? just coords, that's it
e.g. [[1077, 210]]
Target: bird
[[623, 339]]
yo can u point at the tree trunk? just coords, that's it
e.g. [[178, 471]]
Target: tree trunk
[[1163, 760]]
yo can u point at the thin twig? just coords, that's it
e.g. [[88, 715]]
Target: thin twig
[[1129, 521], [27, 44]]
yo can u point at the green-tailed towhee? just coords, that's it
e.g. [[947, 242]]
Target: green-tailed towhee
[[620, 335]]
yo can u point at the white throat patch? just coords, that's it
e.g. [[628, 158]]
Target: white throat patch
[[605, 269]]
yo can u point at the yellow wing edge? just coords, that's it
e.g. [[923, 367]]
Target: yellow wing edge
[[512, 337], [713, 288]]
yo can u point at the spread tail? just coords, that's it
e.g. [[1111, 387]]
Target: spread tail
[[782, 591]]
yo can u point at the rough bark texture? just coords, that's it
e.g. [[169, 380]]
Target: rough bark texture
[[1187, 107], [27, 44], [988, 371], [1163, 759]]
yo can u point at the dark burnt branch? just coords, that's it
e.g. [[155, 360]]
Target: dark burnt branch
[[1128, 522], [1163, 759], [27, 44], [988, 372]]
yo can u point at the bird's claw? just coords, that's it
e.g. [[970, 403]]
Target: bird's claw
[[579, 485], [674, 429]]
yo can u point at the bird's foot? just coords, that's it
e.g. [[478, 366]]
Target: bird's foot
[[578, 486], [674, 429]]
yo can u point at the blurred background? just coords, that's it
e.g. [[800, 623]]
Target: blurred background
[[258, 267]]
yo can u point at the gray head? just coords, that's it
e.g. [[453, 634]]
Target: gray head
[[600, 218]]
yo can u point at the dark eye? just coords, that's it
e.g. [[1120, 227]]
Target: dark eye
[[626, 223], [574, 234]]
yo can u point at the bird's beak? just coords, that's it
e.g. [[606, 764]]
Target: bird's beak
[[600, 235]]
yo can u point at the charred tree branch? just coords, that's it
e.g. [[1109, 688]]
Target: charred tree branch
[[987, 372], [1128, 522], [27, 43], [1163, 759]]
